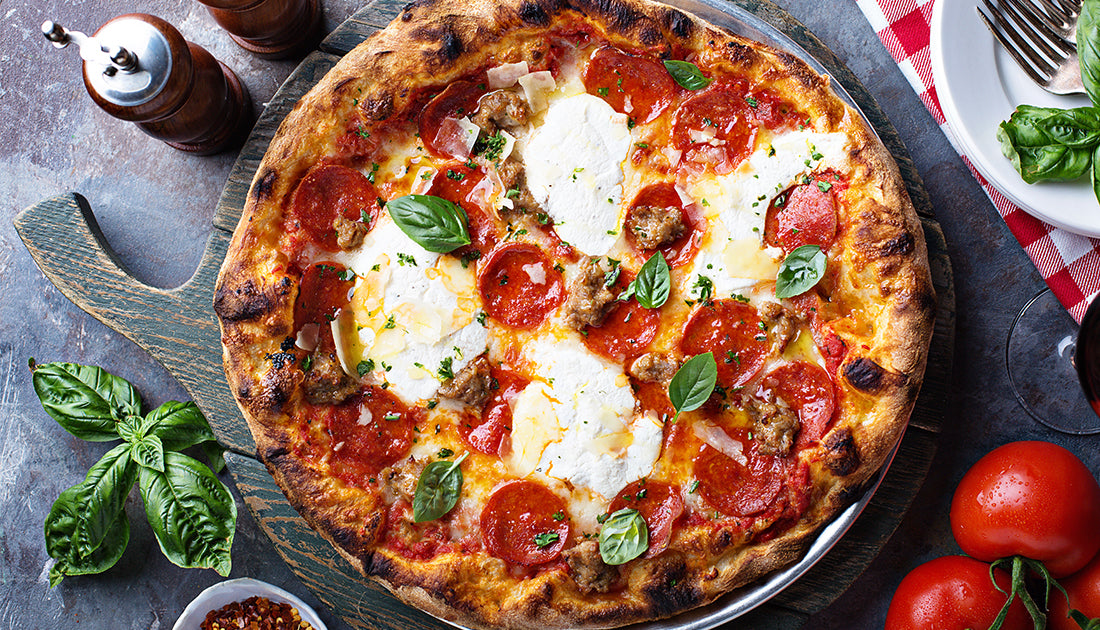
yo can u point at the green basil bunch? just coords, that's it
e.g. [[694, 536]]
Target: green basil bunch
[[1051, 144], [191, 512]]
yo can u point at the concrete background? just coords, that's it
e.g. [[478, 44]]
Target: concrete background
[[155, 205]]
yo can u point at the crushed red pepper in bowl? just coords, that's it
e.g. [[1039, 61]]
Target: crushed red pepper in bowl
[[255, 613]]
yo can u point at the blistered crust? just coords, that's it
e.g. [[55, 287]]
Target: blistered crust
[[883, 311]]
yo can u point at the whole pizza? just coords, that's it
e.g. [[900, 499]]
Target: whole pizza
[[572, 314]]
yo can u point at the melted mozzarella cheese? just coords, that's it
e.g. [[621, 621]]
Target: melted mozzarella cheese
[[412, 313], [574, 166], [579, 425], [732, 255]]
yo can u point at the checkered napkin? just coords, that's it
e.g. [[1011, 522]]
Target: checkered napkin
[[1069, 263]]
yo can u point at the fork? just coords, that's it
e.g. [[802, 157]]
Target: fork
[[1040, 35]]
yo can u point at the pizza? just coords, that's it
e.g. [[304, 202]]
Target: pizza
[[572, 314]]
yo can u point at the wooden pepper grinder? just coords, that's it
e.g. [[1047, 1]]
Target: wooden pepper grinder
[[273, 29], [139, 68]]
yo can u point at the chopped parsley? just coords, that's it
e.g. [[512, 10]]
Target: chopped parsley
[[364, 367], [404, 259], [445, 370], [703, 288], [492, 147], [545, 539]]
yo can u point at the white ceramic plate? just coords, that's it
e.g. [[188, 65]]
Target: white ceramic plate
[[237, 590], [979, 85]]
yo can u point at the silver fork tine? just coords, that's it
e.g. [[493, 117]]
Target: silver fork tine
[[1057, 14], [1060, 11], [1045, 36], [1020, 51]]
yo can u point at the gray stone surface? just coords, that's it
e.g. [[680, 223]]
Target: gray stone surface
[[155, 204]]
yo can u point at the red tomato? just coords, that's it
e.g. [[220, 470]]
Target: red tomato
[[1083, 588], [1031, 499], [953, 593]]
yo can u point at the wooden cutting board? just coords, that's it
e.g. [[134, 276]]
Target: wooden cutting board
[[178, 328]]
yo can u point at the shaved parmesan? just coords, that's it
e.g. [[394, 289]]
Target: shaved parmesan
[[506, 75], [537, 86], [716, 438]]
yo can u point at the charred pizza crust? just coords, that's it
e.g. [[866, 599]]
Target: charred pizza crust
[[879, 301]]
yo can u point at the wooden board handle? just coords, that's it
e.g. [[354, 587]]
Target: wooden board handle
[[177, 326]]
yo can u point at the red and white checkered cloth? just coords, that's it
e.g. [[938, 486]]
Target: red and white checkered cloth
[[1069, 263]]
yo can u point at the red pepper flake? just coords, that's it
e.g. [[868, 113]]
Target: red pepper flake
[[255, 613]]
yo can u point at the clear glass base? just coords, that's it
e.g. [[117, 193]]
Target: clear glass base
[[1039, 355]]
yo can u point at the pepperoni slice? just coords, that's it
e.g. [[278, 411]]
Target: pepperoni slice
[[518, 517], [738, 489], [715, 128], [519, 286], [322, 292], [659, 504], [663, 195], [627, 330], [808, 390], [802, 215], [370, 431], [732, 330], [640, 88], [773, 111], [469, 188], [436, 122], [360, 143], [326, 192], [496, 416]]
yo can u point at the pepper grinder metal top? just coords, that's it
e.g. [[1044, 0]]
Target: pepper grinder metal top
[[139, 68]]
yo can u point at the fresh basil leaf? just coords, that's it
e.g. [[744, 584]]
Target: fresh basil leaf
[[1077, 128], [1088, 48], [693, 383], [148, 452], [180, 425], [84, 518], [623, 537], [132, 428], [1030, 140], [438, 489], [800, 271], [86, 401], [64, 529], [191, 512], [434, 223], [652, 285], [686, 74]]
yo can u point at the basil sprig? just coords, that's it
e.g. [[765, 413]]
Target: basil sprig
[[437, 489], [432, 222], [652, 284], [800, 271], [1051, 144], [192, 513], [623, 537], [693, 383], [686, 74]]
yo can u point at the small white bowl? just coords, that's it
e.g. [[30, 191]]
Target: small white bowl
[[238, 590]]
